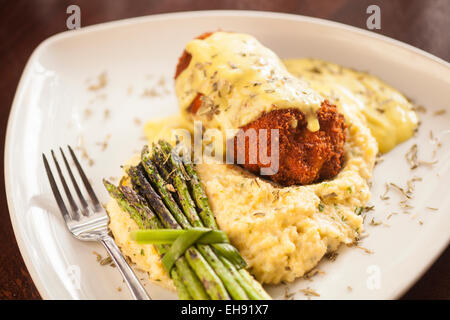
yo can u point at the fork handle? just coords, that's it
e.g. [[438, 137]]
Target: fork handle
[[137, 290]]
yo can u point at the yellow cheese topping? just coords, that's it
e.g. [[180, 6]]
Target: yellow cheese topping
[[389, 115], [240, 79]]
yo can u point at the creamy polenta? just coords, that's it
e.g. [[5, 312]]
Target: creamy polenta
[[283, 232]]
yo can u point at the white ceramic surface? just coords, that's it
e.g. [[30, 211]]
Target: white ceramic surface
[[49, 111]]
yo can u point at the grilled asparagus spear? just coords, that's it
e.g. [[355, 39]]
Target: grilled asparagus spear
[[138, 178], [143, 217], [173, 171], [180, 169], [196, 274]]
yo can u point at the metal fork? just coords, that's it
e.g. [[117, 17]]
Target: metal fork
[[90, 223]]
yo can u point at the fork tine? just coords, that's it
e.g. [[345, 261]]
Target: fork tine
[[75, 184], [73, 205], [56, 194], [85, 181]]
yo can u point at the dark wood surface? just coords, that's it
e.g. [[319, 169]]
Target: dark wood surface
[[26, 23]]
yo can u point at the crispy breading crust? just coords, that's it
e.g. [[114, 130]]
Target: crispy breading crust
[[304, 157]]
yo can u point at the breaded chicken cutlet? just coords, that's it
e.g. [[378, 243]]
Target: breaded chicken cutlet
[[305, 157]]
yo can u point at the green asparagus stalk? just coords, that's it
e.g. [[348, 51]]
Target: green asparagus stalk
[[235, 290], [163, 189], [199, 195], [233, 287], [182, 291], [138, 178], [183, 243], [212, 279], [140, 213], [205, 212], [178, 177], [165, 160], [143, 217], [255, 284], [189, 279], [208, 266], [254, 289], [255, 292], [168, 236]]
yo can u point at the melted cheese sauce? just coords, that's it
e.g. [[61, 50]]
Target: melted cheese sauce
[[240, 79], [389, 115]]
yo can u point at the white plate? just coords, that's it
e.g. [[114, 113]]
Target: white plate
[[49, 110]]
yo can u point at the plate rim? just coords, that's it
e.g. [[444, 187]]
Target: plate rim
[[23, 248]]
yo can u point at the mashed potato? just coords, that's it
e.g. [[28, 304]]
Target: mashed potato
[[144, 256]]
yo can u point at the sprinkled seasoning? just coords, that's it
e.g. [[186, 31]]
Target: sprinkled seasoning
[[332, 256], [411, 157], [106, 114], [321, 207], [364, 249], [259, 214], [106, 261], [312, 273], [87, 113], [375, 223], [98, 256], [379, 159], [420, 108], [390, 215], [102, 81], [150, 93], [84, 154], [104, 143], [129, 90], [410, 184], [276, 195], [309, 292], [439, 112], [384, 195], [401, 190], [288, 295]]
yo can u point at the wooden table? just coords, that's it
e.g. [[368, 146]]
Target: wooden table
[[25, 23]]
